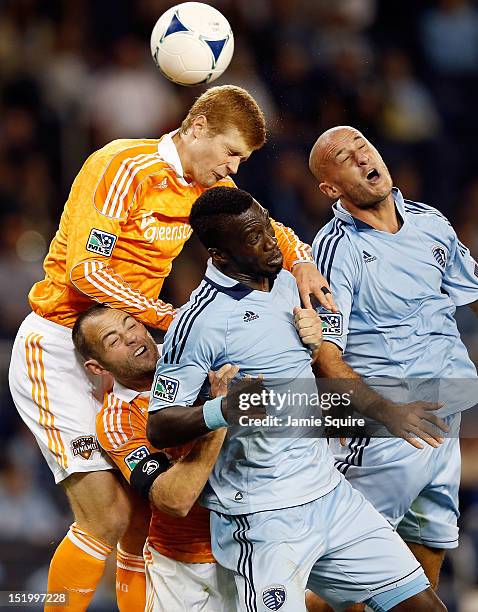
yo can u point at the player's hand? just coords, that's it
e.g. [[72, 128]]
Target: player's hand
[[309, 326], [310, 281], [220, 379], [416, 421], [244, 398]]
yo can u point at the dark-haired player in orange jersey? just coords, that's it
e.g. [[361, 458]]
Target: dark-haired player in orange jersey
[[181, 573]]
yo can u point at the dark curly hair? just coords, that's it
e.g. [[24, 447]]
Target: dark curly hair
[[214, 211]]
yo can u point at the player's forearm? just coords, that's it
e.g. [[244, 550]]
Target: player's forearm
[[102, 284], [176, 491], [293, 249], [176, 425], [343, 378], [474, 307]]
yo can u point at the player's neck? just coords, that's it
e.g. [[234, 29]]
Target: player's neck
[[138, 384], [258, 283], [382, 216]]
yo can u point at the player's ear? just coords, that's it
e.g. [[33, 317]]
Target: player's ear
[[199, 126], [94, 367], [217, 256], [329, 190]]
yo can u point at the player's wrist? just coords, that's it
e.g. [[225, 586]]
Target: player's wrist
[[380, 410], [213, 414], [297, 262]]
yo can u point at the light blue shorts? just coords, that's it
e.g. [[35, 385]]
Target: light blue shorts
[[338, 546], [416, 490]]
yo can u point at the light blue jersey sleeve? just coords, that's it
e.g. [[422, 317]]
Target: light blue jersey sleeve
[[460, 279], [191, 348], [336, 260]]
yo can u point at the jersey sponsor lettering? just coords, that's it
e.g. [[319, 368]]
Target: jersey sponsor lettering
[[154, 230]]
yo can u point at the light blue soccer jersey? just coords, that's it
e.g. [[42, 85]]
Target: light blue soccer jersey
[[397, 294], [228, 322]]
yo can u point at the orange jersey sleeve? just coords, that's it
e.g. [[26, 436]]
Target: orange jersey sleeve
[[121, 431], [293, 249], [126, 219]]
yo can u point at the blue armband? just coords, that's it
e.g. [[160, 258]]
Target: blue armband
[[212, 414]]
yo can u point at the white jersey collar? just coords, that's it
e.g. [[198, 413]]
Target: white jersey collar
[[125, 394], [167, 151]]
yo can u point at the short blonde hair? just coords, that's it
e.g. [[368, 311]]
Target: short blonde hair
[[229, 106]]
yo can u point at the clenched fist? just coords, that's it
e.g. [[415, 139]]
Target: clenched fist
[[309, 326]]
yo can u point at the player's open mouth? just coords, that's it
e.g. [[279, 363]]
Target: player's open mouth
[[218, 176], [373, 175], [139, 351]]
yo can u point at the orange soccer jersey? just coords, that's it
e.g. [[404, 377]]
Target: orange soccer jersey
[[125, 221], [121, 431]]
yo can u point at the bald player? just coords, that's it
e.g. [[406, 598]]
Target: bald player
[[398, 272]]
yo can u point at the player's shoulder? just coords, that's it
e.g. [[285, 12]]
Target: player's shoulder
[[127, 148], [424, 212], [113, 422], [335, 240], [203, 316], [287, 280], [122, 166], [226, 182]]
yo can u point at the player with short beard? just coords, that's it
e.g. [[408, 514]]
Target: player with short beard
[[181, 573], [398, 272]]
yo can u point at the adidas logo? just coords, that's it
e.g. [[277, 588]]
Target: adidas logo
[[250, 316], [367, 257], [162, 185]]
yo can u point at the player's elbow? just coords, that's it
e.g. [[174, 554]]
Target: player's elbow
[[178, 510], [176, 503]]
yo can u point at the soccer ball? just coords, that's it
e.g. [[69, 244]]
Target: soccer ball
[[192, 43]]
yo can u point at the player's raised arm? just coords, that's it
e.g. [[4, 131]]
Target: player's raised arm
[[412, 421], [298, 260]]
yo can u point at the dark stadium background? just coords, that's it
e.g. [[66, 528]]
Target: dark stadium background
[[75, 74]]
